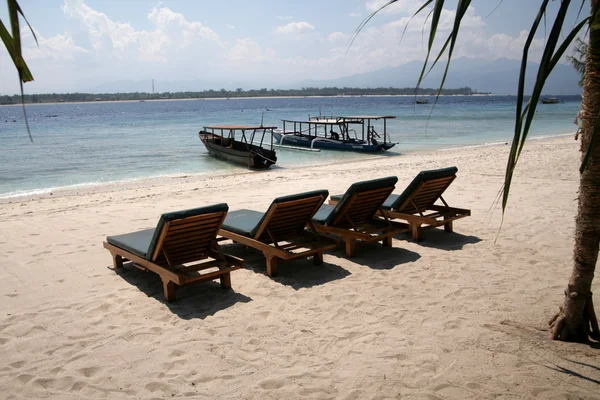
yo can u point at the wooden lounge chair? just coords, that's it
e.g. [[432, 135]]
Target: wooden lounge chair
[[280, 233], [181, 237], [354, 218], [416, 204]]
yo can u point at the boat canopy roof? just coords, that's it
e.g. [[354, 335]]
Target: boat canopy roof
[[239, 127], [368, 117], [336, 120]]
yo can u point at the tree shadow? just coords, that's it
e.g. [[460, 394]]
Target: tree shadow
[[596, 367], [570, 372], [375, 256], [195, 301], [439, 239]]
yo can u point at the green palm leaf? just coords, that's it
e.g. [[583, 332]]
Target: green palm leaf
[[525, 111], [13, 46]]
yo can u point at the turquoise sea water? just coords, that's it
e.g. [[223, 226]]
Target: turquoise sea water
[[95, 143]]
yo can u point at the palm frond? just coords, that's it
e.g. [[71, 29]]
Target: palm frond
[[552, 53], [13, 46], [577, 59]]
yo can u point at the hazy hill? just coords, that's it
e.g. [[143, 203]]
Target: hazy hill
[[498, 76]]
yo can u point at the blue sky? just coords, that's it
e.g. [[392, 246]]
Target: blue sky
[[262, 43]]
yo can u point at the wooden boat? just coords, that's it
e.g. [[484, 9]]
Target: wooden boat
[[249, 148], [353, 133], [550, 100]]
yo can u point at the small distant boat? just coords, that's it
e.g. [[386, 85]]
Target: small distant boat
[[422, 101], [336, 133], [51, 115], [249, 148], [550, 100]]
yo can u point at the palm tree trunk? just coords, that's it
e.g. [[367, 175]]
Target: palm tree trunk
[[576, 321]]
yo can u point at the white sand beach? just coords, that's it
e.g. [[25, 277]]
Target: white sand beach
[[459, 315]]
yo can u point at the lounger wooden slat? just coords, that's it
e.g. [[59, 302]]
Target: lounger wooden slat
[[416, 204], [354, 218], [175, 248], [283, 232]]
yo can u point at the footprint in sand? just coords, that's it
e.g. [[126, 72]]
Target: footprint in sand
[[176, 353], [454, 392], [273, 383], [155, 386], [44, 383], [88, 372], [24, 378], [17, 364]]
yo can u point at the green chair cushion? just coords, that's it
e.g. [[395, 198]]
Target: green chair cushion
[[357, 188], [421, 177], [247, 222], [135, 242], [386, 204], [323, 214], [143, 243], [243, 222]]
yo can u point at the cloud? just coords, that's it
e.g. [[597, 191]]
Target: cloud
[[57, 48], [248, 51], [295, 28], [338, 37], [95, 47], [172, 32], [399, 7]]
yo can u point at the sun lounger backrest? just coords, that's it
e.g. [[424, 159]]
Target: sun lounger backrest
[[185, 236], [424, 190], [361, 201], [288, 215]]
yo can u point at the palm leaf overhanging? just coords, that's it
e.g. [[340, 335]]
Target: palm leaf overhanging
[[12, 42], [577, 60], [553, 52]]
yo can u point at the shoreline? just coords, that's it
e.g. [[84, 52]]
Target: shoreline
[[266, 97], [95, 187]]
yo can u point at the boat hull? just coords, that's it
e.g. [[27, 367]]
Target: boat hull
[[330, 144], [250, 156]]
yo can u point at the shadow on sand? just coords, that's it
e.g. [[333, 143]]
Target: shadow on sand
[[441, 240], [196, 301], [593, 375], [375, 256], [298, 274]]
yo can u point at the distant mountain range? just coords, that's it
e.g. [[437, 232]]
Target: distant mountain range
[[498, 76]]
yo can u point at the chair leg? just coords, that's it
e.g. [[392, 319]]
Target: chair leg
[[271, 265], [448, 226], [350, 247], [225, 280], [387, 241], [169, 289], [416, 232], [318, 258], [117, 261]]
